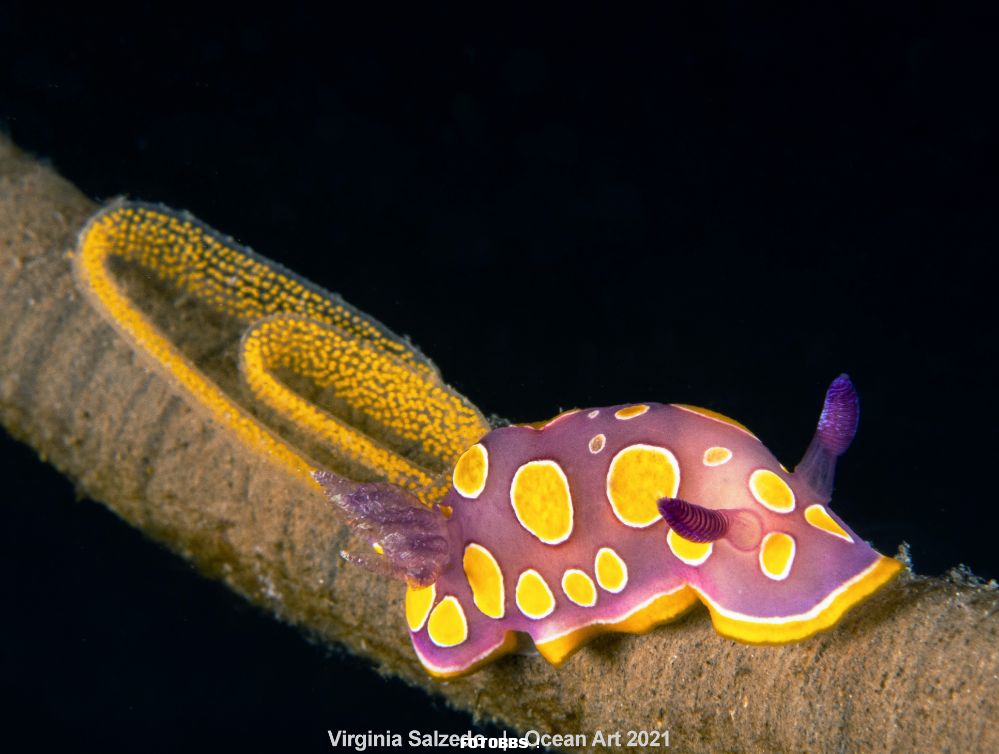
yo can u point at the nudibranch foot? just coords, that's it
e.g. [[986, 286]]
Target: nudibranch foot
[[455, 655], [409, 539], [823, 616], [654, 612]]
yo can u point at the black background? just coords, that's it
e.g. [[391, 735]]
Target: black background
[[723, 207]]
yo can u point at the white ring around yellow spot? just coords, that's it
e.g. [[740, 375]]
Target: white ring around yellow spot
[[418, 604], [630, 412], [534, 596], [717, 456], [777, 555], [579, 588], [485, 579], [639, 476], [612, 572], [771, 491], [691, 553], [447, 626], [819, 517], [542, 502], [597, 443], [471, 471]]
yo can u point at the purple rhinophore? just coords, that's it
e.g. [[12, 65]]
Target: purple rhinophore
[[411, 537], [840, 416], [693, 522], [835, 431]]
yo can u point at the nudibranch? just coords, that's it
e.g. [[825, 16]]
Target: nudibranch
[[620, 519]]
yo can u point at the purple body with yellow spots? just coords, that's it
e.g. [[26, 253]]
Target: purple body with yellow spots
[[621, 518]]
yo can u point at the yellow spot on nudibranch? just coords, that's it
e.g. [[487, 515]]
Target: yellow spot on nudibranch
[[630, 412], [819, 517], [777, 555], [486, 580], [542, 502], [471, 471], [534, 596], [418, 604], [771, 491], [447, 626], [717, 456], [378, 548], [709, 414], [691, 553], [612, 572], [639, 476], [579, 587], [597, 443]]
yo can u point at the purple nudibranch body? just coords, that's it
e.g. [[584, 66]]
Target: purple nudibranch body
[[619, 519]]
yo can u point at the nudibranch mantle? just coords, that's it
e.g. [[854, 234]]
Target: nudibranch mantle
[[622, 518]]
